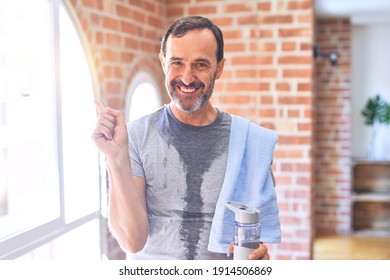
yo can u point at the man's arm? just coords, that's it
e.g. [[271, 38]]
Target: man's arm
[[128, 219]]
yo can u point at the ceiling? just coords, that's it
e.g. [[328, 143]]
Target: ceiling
[[359, 11]]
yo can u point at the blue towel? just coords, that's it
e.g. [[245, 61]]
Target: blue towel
[[248, 180]]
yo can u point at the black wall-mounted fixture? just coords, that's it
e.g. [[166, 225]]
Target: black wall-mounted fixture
[[332, 56]]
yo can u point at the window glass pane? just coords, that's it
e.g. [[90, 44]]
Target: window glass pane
[[29, 192], [81, 169], [143, 101]]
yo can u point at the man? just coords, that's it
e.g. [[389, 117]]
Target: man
[[169, 171]]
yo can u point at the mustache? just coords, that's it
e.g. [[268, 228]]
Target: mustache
[[175, 83]]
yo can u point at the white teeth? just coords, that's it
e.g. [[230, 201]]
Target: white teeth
[[188, 90]]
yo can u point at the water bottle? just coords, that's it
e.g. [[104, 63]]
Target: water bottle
[[246, 229]]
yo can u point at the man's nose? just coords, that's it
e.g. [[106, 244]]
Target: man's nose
[[188, 75]]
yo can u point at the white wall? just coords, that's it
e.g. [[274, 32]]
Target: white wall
[[370, 75]]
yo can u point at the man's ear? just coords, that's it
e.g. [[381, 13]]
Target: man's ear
[[162, 61], [220, 66]]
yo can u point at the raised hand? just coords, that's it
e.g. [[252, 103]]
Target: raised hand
[[110, 134]]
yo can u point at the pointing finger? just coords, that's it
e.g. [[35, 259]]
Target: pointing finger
[[100, 106]]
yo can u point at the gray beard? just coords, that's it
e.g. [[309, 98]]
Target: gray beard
[[200, 101]]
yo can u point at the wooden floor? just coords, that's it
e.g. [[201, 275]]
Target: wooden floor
[[352, 248]]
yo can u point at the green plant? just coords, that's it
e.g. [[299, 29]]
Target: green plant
[[376, 109]]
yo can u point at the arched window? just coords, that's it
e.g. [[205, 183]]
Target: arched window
[[142, 97], [49, 172]]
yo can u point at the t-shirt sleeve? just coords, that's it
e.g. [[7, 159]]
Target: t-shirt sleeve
[[134, 152]]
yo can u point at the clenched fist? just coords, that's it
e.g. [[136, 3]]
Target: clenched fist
[[110, 134]]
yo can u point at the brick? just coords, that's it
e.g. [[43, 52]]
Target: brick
[[131, 43], [284, 126], [109, 55], [305, 87], [126, 56], [99, 37], [113, 40], [283, 86], [295, 100], [234, 47], [306, 46], [123, 11], [295, 59], [300, 5], [237, 8], [297, 73], [234, 99], [264, 6], [295, 32], [175, 11], [224, 21], [245, 60], [290, 153], [276, 19], [266, 33], [248, 19], [267, 113], [113, 87], [232, 34], [294, 140], [305, 18], [202, 10], [264, 86], [266, 99], [263, 46], [110, 23], [293, 113], [129, 28], [268, 73], [140, 17], [243, 86], [283, 180], [88, 3], [288, 46], [246, 73]]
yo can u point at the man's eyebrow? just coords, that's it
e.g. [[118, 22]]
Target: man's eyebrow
[[205, 60], [174, 58], [197, 60]]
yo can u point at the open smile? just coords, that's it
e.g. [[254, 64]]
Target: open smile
[[187, 89]]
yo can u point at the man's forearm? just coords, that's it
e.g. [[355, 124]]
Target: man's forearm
[[128, 218]]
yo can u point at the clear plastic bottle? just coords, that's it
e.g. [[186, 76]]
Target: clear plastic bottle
[[246, 230]]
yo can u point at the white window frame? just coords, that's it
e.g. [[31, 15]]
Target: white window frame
[[24, 242]]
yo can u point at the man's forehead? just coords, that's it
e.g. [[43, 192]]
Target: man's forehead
[[194, 41]]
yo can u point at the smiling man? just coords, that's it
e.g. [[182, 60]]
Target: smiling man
[[172, 171], [191, 70]]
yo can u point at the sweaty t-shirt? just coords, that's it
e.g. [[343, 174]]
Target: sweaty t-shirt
[[184, 167]]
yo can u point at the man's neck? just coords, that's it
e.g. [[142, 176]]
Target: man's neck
[[202, 117]]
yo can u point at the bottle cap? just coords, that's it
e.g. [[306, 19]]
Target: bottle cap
[[243, 213]]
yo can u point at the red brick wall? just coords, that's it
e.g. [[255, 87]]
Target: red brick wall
[[268, 78], [333, 129]]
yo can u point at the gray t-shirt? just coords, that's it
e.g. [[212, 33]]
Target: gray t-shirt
[[184, 168]]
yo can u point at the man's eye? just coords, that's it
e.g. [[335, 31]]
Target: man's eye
[[176, 63], [202, 65]]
